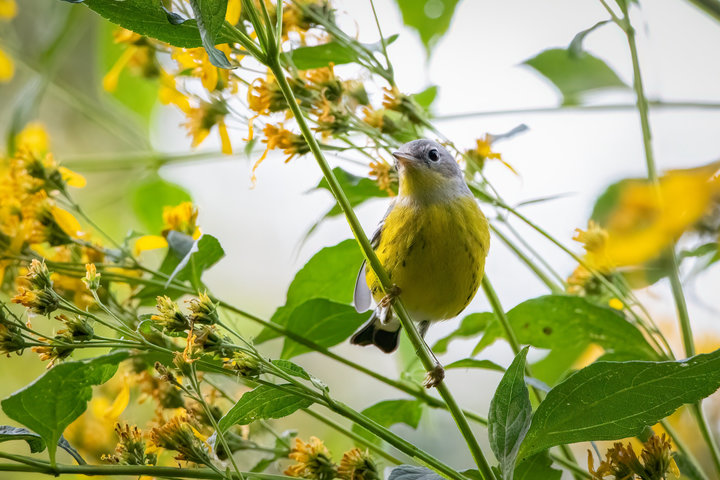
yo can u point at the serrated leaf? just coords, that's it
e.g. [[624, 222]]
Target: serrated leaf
[[475, 363], [430, 18], [537, 467], [411, 472], [510, 415], [329, 274], [210, 17], [149, 198], [563, 321], [470, 326], [264, 402], [611, 400], [574, 75], [53, 401], [149, 18], [327, 323], [391, 412]]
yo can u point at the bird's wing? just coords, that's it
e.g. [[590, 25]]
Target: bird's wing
[[361, 297]]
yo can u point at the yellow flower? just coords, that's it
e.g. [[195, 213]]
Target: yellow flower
[[483, 151], [384, 176], [232, 14], [169, 316], [33, 138], [356, 464], [181, 218], [313, 459], [8, 9], [7, 67], [201, 119], [202, 310], [197, 62], [246, 365], [622, 463], [92, 277], [131, 448], [179, 435], [265, 96], [11, 339], [279, 137], [169, 94]]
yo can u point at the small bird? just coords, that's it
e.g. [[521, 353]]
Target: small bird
[[432, 242]]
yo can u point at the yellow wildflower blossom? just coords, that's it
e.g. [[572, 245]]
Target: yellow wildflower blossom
[[7, 67], [313, 459], [34, 139], [279, 137], [200, 120], [384, 176], [483, 151], [356, 464], [8, 9], [182, 218]]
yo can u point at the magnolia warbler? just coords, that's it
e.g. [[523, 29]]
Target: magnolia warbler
[[432, 242]]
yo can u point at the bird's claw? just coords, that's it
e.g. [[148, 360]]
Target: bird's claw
[[390, 296], [434, 377]]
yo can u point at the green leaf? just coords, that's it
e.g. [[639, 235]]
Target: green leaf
[[210, 17], [53, 401], [510, 415], [265, 401], [470, 326], [474, 363], [574, 75], [35, 442], [576, 47], [391, 412], [149, 198], [327, 323], [430, 18], [291, 368], [426, 98], [537, 467], [329, 274], [318, 56], [611, 400], [411, 472], [337, 53], [147, 17], [357, 189], [203, 254], [563, 321]]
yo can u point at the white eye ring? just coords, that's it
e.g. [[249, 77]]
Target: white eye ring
[[434, 155]]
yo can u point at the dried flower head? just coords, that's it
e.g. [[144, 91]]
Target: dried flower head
[[42, 302], [179, 435], [77, 327], [356, 464], [621, 462], [313, 460], [243, 363], [131, 448], [169, 316], [202, 310], [56, 349]]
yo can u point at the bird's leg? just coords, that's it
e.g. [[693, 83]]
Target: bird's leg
[[437, 374], [389, 297]]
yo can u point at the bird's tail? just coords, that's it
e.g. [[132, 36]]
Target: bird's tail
[[381, 332]]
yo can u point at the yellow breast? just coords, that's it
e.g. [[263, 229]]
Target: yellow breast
[[435, 253]]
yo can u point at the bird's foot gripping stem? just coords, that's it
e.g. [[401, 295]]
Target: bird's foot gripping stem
[[434, 377], [390, 297]]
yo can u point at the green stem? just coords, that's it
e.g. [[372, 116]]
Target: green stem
[[374, 262], [134, 470], [676, 284], [711, 7]]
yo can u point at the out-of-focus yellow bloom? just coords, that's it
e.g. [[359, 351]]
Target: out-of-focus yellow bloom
[[7, 67], [621, 462], [197, 63], [200, 120], [138, 56], [182, 218], [169, 94], [110, 80], [149, 242], [616, 304], [34, 139], [232, 14], [8, 9], [383, 174], [279, 137], [648, 218]]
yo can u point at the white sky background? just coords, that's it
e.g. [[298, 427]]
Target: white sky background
[[476, 66]]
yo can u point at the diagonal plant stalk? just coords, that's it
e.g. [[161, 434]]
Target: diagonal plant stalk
[[674, 275]]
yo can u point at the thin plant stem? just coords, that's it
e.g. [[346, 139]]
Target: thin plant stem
[[674, 274], [373, 261]]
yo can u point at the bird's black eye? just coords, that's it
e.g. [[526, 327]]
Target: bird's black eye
[[434, 155]]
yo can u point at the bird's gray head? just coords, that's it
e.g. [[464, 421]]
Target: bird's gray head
[[427, 154]]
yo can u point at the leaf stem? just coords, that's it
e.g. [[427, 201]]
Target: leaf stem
[[421, 348], [675, 282]]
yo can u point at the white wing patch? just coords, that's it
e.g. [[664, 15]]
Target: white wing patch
[[361, 297]]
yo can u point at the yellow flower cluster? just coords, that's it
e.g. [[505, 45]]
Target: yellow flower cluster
[[315, 462]]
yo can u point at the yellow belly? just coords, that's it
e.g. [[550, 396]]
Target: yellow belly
[[435, 255]]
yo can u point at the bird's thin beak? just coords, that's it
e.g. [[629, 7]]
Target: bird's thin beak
[[403, 158]]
